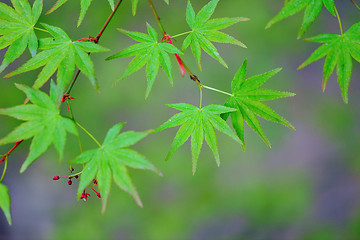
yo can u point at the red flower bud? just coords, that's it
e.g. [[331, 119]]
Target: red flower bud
[[84, 195], [56, 178], [63, 99]]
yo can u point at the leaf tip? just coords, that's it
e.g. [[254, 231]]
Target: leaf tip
[[323, 86], [243, 147], [23, 169], [268, 25], [218, 162]]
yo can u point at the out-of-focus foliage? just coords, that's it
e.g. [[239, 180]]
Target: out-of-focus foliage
[[305, 187]]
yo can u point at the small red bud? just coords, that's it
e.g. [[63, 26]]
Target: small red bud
[[98, 194], [76, 176], [84, 195], [70, 182], [95, 181], [63, 99], [56, 178]]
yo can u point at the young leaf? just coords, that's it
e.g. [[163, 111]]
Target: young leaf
[[339, 51], [312, 11], [248, 99], [62, 54], [17, 29], [198, 123], [5, 202], [111, 162], [205, 31], [43, 123], [85, 4], [149, 51]]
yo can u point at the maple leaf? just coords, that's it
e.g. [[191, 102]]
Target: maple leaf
[[150, 52], [61, 54], [43, 123], [110, 161], [247, 100], [198, 123], [85, 4], [205, 31], [5, 202], [17, 29], [312, 11], [339, 51]]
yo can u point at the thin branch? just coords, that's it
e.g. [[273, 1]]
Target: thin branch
[[4, 170], [192, 76], [107, 21], [96, 41], [217, 90], [356, 5], [11, 150], [156, 16], [76, 74], [88, 133], [338, 17]]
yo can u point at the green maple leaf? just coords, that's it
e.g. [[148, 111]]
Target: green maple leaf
[[135, 4], [61, 54], [85, 4], [339, 51], [17, 29], [247, 101], [150, 52], [312, 11], [43, 123], [5, 202], [198, 123], [110, 161], [205, 31]]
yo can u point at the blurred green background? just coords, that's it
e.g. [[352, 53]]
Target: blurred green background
[[305, 187]]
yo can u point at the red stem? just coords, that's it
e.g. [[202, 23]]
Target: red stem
[[96, 41], [76, 74], [192, 76], [10, 151]]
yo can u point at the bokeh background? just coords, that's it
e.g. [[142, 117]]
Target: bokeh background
[[305, 187]]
